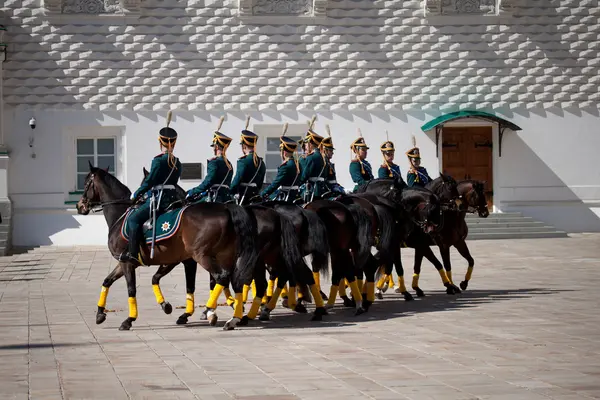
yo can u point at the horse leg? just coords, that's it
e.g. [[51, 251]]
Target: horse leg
[[305, 277], [190, 268], [270, 286], [115, 274], [129, 272], [336, 278], [350, 277], [445, 252], [212, 283], [161, 272], [260, 283], [450, 288], [400, 271], [265, 314], [417, 272], [464, 251], [369, 285], [317, 279]]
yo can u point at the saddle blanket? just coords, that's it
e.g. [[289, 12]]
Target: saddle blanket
[[167, 225]]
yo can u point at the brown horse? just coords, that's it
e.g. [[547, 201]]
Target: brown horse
[[219, 237]]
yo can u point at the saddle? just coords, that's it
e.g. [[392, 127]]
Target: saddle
[[167, 225]]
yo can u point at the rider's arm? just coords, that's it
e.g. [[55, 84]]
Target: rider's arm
[[305, 170], [382, 173], [276, 182], [239, 172], [355, 173], [149, 181], [410, 178], [211, 172]]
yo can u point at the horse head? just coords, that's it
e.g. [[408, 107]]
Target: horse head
[[423, 207], [446, 188], [99, 187], [472, 193]]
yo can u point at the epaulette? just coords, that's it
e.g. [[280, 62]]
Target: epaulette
[[161, 154], [353, 161], [210, 159], [383, 166]]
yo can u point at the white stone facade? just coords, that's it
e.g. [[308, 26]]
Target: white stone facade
[[374, 65]]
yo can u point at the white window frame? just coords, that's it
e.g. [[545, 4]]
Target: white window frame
[[433, 9], [265, 131], [95, 155], [318, 16], [130, 11]]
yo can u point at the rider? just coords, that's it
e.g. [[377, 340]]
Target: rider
[[250, 171], [388, 169], [331, 182], [360, 169], [164, 175], [215, 187], [315, 169], [285, 184], [417, 175]]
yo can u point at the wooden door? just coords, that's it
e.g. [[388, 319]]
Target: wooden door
[[467, 154]]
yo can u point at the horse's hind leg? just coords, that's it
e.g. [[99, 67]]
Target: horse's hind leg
[[260, 283], [350, 277], [190, 267], [445, 253], [282, 279], [417, 272], [161, 272], [450, 288], [115, 274], [129, 272], [369, 284], [400, 271], [464, 251]]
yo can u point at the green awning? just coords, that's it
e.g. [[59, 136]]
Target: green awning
[[469, 114]]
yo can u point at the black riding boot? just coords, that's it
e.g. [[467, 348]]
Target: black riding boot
[[131, 254]]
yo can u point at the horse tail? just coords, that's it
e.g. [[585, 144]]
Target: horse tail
[[318, 243], [289, 245], [244, 227], [363, 233], [386, 230]]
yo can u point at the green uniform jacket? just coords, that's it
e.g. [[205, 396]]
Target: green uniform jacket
[[247, 172], [286, 176], [315, 167], [217, 174], [159, 172], [357, 176], [384, 172], [420, 177]]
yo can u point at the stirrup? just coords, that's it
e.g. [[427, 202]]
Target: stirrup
[[126, 257]]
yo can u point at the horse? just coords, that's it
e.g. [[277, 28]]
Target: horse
[[221, 238]]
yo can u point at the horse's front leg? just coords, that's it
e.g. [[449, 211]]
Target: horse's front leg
[[445, 252], [116, 273], [428, 253], [260, 283], [463, 250], [160, 273], [190, 267], [129, 272]]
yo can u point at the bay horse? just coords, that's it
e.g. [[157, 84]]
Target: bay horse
[[221, 238]]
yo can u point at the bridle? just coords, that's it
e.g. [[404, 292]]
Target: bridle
[[466, 200], [97, 206]]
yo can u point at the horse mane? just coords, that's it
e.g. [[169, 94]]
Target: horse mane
[[435, 184], [477, 185], [114, 185]]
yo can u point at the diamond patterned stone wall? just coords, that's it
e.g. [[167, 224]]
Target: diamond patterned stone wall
[[368, 55]]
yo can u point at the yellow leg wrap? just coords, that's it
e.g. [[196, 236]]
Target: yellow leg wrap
[[238, 309], [468, 274], [103, 295], [214, 296], [333, 292], [230, 301], [158, 294], [254, 308], [253, 285], [189, 303], [270, 286], [274, 298], [355, 291], [264, 299], [401, 284], [449, 275], [370, 291], [300, 294], [442, 273], [315, 291], [284, 291], [245, 293], [317, 277], [391, 280], [359, 282], [415, 281], [342, 288], [381, 281], [292, 297], [133, 308], [227, 292]]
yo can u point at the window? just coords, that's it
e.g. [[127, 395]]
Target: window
[[273, 156], [468, 7], [283, 11], [94, 7], [100, 152]]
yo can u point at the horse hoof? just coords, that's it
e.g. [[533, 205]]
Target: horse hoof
[[451, 289], [464, 284], [378, 296], [126, 325], [100, 318], [366, 304], [285, 303], [203, 316], [420, 293], [265, 315], [328, 306], [166, 307], [408, 296], [359, 311], [324, 296], [231, 324], [385, 287], [183, 319], [319, 313], [348, 302], [213, 319], [300, 308], [244, 321]]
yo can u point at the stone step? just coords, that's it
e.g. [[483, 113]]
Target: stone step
[[497, 215], [543, 228], [498, 220], [516, 235], [503, 224]]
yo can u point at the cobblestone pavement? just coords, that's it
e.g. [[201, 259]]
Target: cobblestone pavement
[[528, 327]]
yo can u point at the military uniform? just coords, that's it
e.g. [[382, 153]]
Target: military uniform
[[416, 176], [163, 177], [331, 181], [215, 187], [250, 171], [285, 185], [314, 170], [360, 170], [388, 169]]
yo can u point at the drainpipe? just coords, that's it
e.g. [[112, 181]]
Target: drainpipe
[[2, 59]]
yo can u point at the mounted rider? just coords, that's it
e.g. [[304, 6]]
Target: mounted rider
[[157, 192], [388, 169], [332, 185], [360, 169], [219, 172], [285, 185], [251, 169], [417, 175], [315, 169]]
